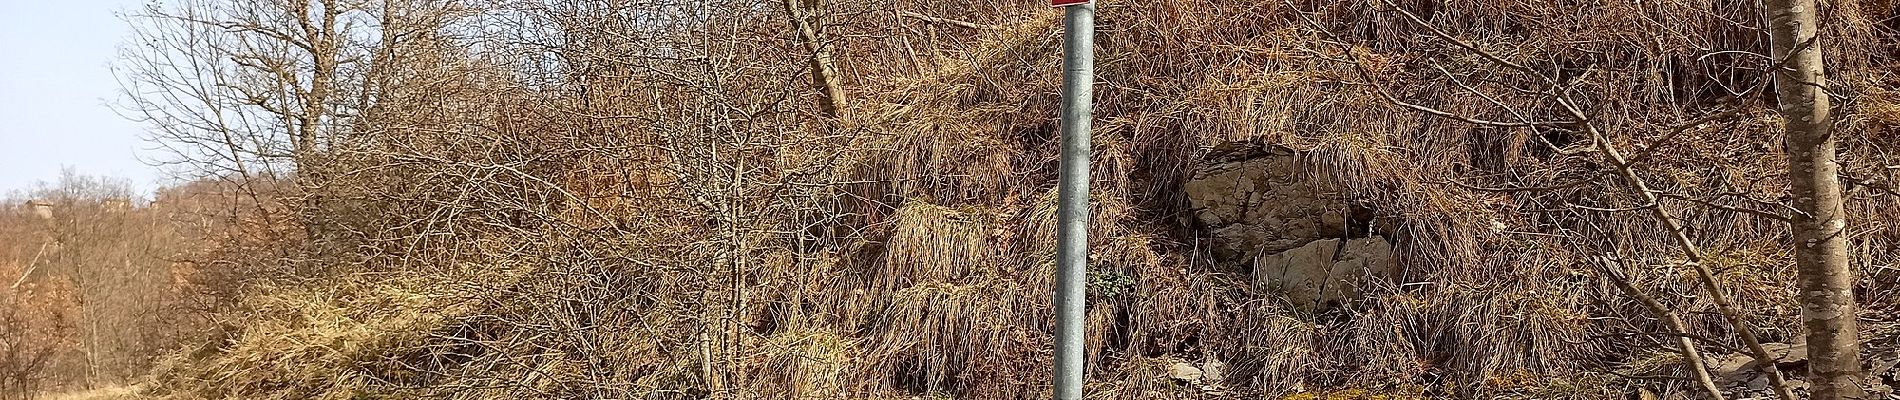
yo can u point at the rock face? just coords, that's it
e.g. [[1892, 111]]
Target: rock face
[[1295, 234], [1263, 205], [1325, 271]]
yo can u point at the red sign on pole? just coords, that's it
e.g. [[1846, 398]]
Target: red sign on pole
[[1066, 3]]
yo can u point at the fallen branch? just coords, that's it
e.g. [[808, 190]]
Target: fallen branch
[[1671, 321], [1690, 251]]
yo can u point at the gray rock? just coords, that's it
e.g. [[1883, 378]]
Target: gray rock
[[1268, 213], [1730, 367], [1739, 371], [1787, 353], [1264, 204], [1185, 372], [1759, 383], [1326, 270]]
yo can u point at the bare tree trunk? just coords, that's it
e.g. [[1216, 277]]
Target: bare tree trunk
[[92, 341], [323, 40], [824, 73], [1826, 281]]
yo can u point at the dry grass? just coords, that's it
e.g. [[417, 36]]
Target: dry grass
[[946, 291], [330, 341], [107, 393]]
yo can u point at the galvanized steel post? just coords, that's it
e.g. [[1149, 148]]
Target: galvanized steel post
[[1072, 208]]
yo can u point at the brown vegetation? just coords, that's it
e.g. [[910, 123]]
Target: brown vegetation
[[554, 199], [93, 294]]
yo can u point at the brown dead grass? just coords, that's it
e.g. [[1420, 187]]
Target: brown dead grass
[[947, 291]]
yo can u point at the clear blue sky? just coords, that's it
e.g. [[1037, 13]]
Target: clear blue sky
[[55, 83]]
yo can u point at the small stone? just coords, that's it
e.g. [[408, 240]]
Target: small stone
[[1759, 383], [1185, 372]]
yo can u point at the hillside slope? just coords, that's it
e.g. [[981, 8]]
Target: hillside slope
[[1271, 218]]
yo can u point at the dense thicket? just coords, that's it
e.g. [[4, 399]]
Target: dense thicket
[[653, 199]]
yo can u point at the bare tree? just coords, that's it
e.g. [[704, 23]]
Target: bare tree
[[247, 90], [807, 18], [97, 266], [33, 331], [1826, 281]]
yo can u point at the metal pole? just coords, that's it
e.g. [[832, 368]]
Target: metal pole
[[1072, 208]]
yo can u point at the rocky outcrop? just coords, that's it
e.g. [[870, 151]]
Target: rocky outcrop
[[1325, 271], [1297, 235], [1263, 204]]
